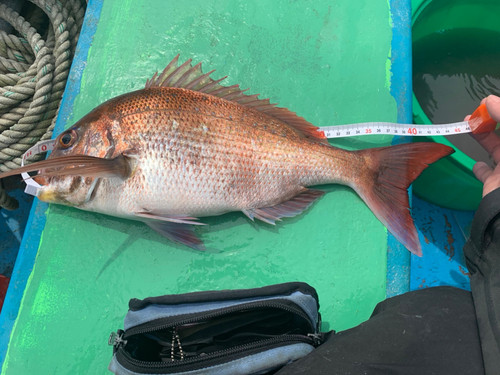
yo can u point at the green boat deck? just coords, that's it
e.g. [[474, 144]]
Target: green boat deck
[[330, 62]]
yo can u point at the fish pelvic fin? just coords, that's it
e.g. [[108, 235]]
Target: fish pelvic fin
[[385, 182], [183, 234], [192, 78], [290, 208]]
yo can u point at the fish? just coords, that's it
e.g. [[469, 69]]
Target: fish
[[186, 147]]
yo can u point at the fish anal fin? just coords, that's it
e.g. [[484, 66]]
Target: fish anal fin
[[392, 170], [290, 208], [192, 77], [180, 233]]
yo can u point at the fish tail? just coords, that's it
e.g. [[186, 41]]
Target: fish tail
[[383, 184]]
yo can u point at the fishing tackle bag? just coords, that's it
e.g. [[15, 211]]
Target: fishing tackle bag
[[248, 331]]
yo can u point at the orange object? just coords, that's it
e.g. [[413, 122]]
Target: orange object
[[481, 122]]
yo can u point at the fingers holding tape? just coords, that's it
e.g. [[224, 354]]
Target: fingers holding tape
[[482, 171], [493, 106], [491, 143]]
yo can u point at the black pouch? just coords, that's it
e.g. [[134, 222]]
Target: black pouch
[[248, 331]]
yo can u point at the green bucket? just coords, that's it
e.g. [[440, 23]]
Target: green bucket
[[450, 182]]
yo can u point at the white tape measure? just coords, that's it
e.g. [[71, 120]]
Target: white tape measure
[[32, 186], [365, 128], [389, 128]]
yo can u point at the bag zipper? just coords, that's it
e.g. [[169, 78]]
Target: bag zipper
[[223, 355], [153, 326]]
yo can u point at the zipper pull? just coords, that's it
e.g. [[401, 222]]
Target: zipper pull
[[116, 339], [317, 338], [320, 321], [175, 337]]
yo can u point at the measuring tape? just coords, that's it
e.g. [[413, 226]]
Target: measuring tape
[[389, 128], [479, 122], [32, 186]]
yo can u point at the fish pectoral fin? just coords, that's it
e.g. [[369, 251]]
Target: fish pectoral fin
[[79, 165], [173, 219], [183, 234], [290, 208]]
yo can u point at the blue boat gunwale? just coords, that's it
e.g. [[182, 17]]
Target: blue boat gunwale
[[398, 258], [36, 222]]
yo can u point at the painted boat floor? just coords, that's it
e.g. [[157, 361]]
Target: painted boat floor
[[88, 266], [442, 233]]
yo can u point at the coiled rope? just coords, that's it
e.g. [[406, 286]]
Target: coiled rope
[[33, 74]]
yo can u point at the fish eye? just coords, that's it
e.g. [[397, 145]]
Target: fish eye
[[68, 139]]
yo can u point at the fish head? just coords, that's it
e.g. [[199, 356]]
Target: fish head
[[91, 136]]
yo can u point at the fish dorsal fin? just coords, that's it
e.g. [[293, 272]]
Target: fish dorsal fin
[[192, 78]]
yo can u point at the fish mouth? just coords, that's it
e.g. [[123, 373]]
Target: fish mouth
[[49, 196], [67, 190]]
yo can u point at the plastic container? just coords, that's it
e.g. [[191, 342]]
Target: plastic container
[[450, 182]]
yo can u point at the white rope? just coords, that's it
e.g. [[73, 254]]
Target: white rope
[[33, 74]]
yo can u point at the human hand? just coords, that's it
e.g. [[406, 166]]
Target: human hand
[[491, 143]]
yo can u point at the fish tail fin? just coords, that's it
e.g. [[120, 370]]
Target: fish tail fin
[[385, 181]]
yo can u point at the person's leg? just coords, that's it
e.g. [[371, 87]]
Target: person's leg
[[429, 331], [482, 253]]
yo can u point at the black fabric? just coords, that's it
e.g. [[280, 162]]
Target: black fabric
[[440, 330], [482, 253], [225, 295], [425, 332]]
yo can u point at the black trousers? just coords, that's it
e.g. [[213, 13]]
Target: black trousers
[[429, 331], [440, 330]]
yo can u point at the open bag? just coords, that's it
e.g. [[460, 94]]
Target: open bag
[[248, 331]]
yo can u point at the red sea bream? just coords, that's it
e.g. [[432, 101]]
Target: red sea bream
[[185, 147]]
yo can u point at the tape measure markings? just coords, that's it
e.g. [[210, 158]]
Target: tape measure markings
[[389, 128], [32, 186]]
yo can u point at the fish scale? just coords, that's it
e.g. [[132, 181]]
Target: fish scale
[[168, 155]]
